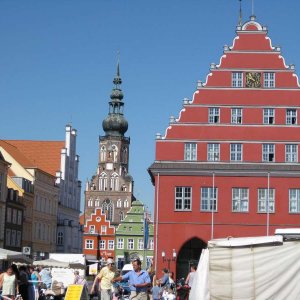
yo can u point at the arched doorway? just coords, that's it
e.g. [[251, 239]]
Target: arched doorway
[[189, 254]]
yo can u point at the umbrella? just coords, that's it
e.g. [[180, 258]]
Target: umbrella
[[14, 256]]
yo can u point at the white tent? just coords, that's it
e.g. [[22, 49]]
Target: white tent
[[52, 263], [248, 268], [13, 256]]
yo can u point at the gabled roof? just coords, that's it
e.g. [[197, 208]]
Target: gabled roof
[[45, 155]]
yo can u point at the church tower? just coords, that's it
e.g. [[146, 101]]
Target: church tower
[[111, 188]]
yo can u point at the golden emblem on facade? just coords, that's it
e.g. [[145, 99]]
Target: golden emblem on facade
[[253, 79]]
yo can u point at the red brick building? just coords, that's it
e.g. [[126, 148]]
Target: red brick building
[[234, 148], [98, 237]]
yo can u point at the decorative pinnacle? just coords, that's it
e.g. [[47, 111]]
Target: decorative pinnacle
[[240, 15], [117, 79]]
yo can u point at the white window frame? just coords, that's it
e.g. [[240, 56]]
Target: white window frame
[[114, 182], [151, 244], [183, 198], [120, 244], [213, 152], [140, 244], [190, 151], [240, 200], [269, 116], [103, 229], [236, 152], [237, 79], [213, 115], [111, 245], [269, 80], [102, 244], [268, 152], [236, 115], [291, 153], [294, 201], [119, 203], [89, 244], [291, 116], [209, 198], [92, 229], [262, 200], [103, 182], [130, 244]]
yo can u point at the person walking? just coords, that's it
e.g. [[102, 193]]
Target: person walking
[[105, 278], [35, 278], [190, 278], [139, 281], [46, 277], [8, 283]]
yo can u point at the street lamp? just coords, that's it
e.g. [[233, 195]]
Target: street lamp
[[163, 255]]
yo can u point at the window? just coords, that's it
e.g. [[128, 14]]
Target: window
[[8, 237], [121, 215], [269, 80], [60, 238], [140, 244], [90, 202], [102, 245], [268, 153], [115, 152], [237, 79], [236, 116], [103, 229], [190, 151], [120, 243], [183, 199], [126, 203], [111, 245], [103, 153], [291, 116], [8, 215], [89, 244], [236, 152], [14, 216], [119, 203], [209, 199], [130, 244], [103, 182], [214, 115], [151, 244], [19, 238], [114, 182], [291, 153], [213, 152], [97, 203], [263, 200], [240, 200], [107, 209], [269, 116], [294, 200], [92, 229]]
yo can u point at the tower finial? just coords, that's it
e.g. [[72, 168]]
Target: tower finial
[[240, 15], [252, 7], [118, 64]]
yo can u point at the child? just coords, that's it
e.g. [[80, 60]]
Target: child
[[156, 295], [171, 295]]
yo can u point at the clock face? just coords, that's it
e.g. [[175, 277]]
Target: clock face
[[253, 79]]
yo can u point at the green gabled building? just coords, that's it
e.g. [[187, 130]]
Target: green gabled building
[[129, 235]]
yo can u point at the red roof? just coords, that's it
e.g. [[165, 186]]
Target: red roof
[[44, 155]]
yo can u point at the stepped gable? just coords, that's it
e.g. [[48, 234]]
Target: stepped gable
[[251, 52]]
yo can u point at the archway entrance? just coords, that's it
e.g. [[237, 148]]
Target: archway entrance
[[189, 254]]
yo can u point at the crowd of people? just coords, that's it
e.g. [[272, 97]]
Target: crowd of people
[[24, 281], [143, 285]]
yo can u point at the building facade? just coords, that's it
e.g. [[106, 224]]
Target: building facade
[[4, 165], [234, 166], [129, 239], [98, 237]]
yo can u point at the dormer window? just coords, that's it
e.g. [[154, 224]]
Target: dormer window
[[237, 79], [269, 80]]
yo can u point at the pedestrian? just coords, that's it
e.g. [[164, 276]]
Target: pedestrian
[[191, 275], [164, 281], [139, 281], [9, 284], [46, 277], [23, 283], [35, 279], [156, 292], [170, 295], [105, 278]]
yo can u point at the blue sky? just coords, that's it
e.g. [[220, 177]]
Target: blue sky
[[58, 59]]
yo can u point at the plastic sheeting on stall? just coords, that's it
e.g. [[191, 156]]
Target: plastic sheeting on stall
[[265, 269]]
